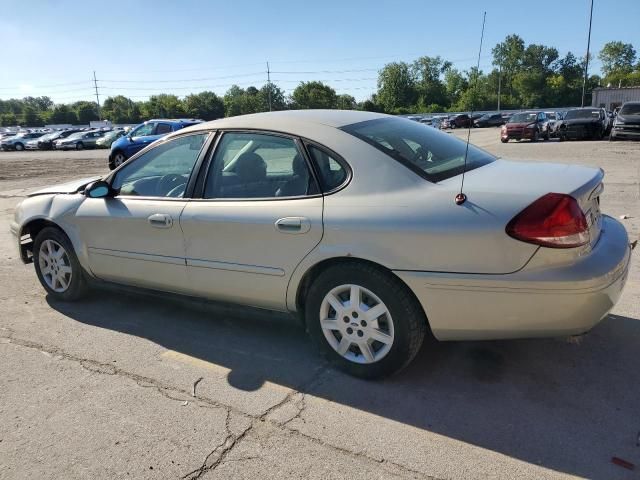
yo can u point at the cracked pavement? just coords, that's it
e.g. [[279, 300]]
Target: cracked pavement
[[103, 388]]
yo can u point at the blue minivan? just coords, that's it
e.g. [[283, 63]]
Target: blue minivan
[[143, 135]]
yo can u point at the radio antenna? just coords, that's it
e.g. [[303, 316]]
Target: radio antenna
[[461, 197]]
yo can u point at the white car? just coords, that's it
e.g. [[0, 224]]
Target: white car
[[352, 221]]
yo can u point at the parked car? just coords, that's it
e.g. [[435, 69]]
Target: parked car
[[552, 119], [348, 219], [460, 121], [142, 136], [4, 135], [109, 138], [526, 125], [46, 142], [626, 123], [79, 140], [19, 141], [489, 120], [588, 123]]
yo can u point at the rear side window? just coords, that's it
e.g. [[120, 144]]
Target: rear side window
[[332, 173], [432, 154], [163, 128]]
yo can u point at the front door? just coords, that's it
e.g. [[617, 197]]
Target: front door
[[134, 237], [260, 216]]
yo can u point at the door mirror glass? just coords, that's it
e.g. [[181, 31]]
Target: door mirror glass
[[99, 189]]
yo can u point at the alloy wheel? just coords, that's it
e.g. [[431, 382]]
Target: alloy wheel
[[55, 266], [118, 160], [357, 324]]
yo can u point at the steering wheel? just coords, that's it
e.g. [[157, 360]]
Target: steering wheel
[[168, 183]]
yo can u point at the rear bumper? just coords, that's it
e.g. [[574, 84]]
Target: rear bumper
[[535, 302]]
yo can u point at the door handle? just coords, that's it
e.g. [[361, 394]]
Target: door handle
[[160, 220], [293, 225]]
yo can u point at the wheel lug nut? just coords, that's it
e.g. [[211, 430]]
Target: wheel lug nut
[[354, 314], [349, 330], [360, 334], [346, 319], [363, 323]]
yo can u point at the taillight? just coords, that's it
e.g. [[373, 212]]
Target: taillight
[[554, 220]]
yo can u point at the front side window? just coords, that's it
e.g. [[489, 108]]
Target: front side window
[[432, 154], [162, 171], [256, 165], [143, 130]]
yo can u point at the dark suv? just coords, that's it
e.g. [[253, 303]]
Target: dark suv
[[143, 135], [490, 120], [626, 123]]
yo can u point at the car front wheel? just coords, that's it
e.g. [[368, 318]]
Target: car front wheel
[[364, 321], [79, 146], [57, 266], [19, 147], [118, 159]]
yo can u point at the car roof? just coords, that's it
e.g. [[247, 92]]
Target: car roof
[[289, 121], [175, 120]]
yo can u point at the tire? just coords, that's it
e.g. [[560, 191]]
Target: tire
[[504, 140], [536, 136], [79, 146], [402, 320], [612, 137], [546, 137], [19, 147], [50, 270], [118, 159]]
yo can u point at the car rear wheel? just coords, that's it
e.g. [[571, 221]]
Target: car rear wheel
[[536, 136], [504, 140], [19, 147], [57, 266], [79, 146], [364, 321]]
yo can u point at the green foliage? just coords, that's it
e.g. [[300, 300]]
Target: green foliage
[[527, 76], [204, 105], [314, 95]]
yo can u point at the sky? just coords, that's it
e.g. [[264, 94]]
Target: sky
[[141, 48]]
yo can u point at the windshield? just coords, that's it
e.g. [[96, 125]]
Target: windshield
[[430, 153], [523, 118], [579, 113], [630, 109]]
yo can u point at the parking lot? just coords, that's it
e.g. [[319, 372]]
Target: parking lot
[[128, 385]]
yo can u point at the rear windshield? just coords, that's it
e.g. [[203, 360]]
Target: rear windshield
[[571, 114], [523, 117], [630, 109], [432, 154]]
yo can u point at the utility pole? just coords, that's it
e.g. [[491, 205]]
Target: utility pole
[[499, 83], [269, 84], [95, 84], [586, 61]]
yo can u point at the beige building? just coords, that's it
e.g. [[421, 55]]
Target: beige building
[[610, 98]]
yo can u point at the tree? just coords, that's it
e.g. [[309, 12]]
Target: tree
[[429, 87], [63, 114], [617, 58], [396, 87], [162, 106], [8, 119], [30, 117], [85, 111], [204, 105], [346, 102], [278, 100], [120, 109], [314, 95]]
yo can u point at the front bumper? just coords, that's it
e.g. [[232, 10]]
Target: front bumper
[[569, 299], [65, 146], [519, 134], [626, 131]]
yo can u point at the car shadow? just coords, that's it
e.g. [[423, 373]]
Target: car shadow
[[566, 405]]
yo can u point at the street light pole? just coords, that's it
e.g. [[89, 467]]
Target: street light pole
[[586, 61]]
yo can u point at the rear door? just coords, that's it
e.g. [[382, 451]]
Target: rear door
[[260, 214]]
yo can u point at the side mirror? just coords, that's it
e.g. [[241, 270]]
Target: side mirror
[[130, 138], [98, 189]]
